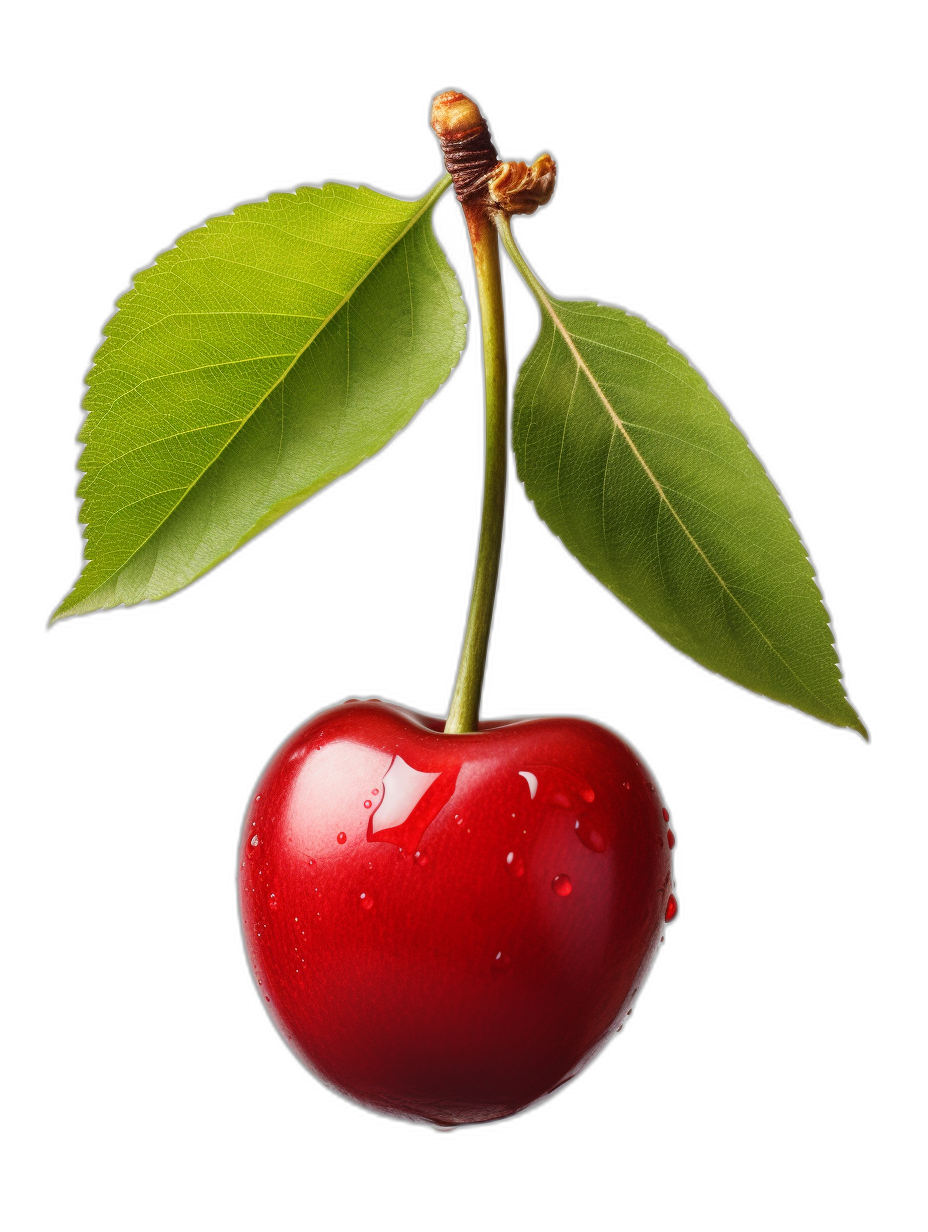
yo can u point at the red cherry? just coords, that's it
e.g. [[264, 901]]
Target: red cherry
[[443, 971]]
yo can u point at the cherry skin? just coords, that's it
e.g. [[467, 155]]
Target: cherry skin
[[449, 927]]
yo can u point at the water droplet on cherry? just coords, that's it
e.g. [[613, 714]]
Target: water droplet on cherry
[[501, 961], [588, 794], [366, 902], [665, 814], [254, 840], [273, 902], [368, 803], [342, 837], [670, 839], [562, 885], [515, 865], [591, 838], [421, 859], [375, 791], [671, 909]]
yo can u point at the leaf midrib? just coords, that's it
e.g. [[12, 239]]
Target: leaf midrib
[[426, 204]]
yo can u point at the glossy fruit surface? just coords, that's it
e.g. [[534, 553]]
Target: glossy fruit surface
[[448, 927]]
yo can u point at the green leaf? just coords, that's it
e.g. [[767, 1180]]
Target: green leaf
[[269, 352], [634, 463]]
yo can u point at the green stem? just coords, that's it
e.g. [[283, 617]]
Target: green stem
[[465, 702], [504, 228]]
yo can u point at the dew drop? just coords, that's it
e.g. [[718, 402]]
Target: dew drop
[[273, 903], [342, 837], [267, 998], [562, 885], [588, 794], [671, 909], [375, 791], [665, 814], [368, 803], [254, 840], [515, 865], [670, 839], [627, 786], [591, 838], [421, 859], [311, 863], [501, 961], [366, 902], [257, 798]]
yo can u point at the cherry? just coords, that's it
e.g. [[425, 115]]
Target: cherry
[[448, 927]]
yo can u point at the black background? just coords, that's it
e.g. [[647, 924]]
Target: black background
[[721, 216]]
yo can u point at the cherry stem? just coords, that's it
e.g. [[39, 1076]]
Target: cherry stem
[[504, 228], [464, 713]]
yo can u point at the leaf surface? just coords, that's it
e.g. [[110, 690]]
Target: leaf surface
[[634, 463], [269, 352]]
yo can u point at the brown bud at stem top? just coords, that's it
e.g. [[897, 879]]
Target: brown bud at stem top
[[470, 154], [481, 181]]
